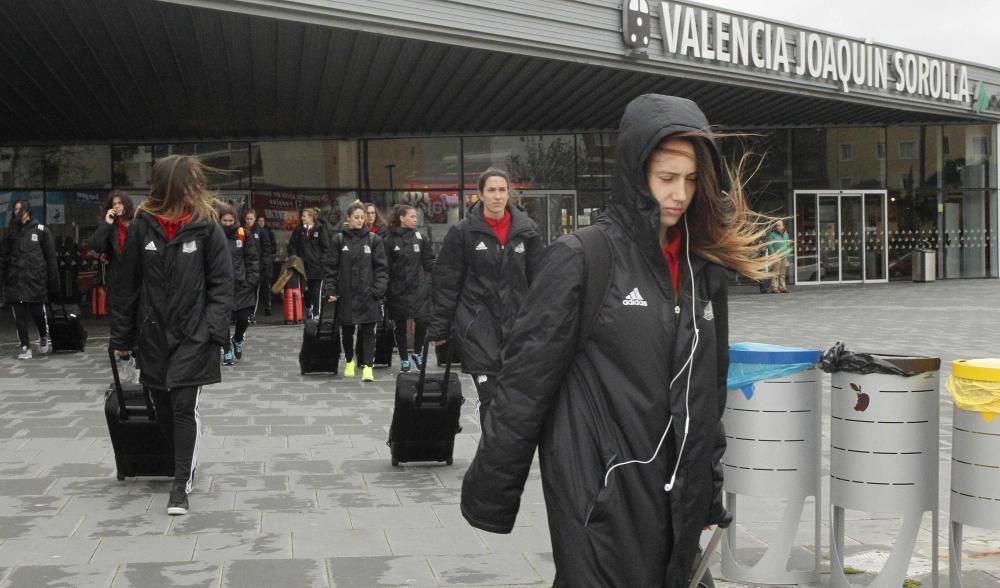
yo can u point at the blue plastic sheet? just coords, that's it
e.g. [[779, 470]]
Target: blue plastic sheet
[[754, 362]]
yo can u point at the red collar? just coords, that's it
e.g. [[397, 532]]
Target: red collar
[[500, 227], [672, 252]]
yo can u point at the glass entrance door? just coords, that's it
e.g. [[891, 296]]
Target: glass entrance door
[[840, 237]]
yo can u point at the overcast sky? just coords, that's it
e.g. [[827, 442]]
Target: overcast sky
[[967, 30]]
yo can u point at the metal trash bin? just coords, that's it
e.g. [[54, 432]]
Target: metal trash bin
[[773, 435], [924, 265], [975, 457], [884, 455]]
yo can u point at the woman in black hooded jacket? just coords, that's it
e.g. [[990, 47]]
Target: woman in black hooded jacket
[[311, 241], [484, 268], [411, 261], [246, 274], [625, 415], [359, 276]]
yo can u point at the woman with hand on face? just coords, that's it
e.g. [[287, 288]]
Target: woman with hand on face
[[359, 276], [246, 273], [483, 271], [619, 380], [411, 261], [109, 238]]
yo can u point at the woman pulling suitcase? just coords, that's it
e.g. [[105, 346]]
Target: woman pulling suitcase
[[173, 296], [411, 261], [246, 274], [358, 282]]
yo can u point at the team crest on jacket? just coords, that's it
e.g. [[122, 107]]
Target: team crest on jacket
[[192, 246], [368, 249], [239, 244], [34, 237], [634, 299], [416, 247], [708, 314]]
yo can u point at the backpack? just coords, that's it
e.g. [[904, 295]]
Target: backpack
[[597, 259]]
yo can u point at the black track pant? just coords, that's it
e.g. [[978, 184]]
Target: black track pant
[[37, 312], [312, 295], [177, 415], [418, 337], [366, 342], [485, 389], [241, 318]]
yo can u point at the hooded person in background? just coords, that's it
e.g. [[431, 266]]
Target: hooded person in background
[[484, 268], [311, 241], [261, 241], [173, 297], [269, 248], [246, 273], [626, 416], [29, 273]]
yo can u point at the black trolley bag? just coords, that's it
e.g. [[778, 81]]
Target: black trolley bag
[[139, 445], [66, 332], [425, 417], [385, 342], [320, 351]]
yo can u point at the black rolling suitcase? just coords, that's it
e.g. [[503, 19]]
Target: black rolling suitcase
[[385, 343], [140, 447], [320, 351], [425, 418], [65, 329]]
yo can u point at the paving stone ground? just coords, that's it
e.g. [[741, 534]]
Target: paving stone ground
[[296, 489]]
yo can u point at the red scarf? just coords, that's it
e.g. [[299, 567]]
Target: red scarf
[[672, 254], [170, 227], [500, 227], [122, 230], [373, 229]]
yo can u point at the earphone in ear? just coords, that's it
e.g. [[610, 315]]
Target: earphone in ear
[[689, 365]]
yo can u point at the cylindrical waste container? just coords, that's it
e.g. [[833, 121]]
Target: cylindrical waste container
[[975, 454], [883, 450], [924, 265], [773, 431]]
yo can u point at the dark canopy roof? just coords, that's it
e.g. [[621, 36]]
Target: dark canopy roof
[[122, 70]]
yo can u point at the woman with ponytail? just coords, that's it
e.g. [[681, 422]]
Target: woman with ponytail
[[411, 263]]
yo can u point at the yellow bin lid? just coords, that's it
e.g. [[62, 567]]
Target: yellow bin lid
[[985, 370]]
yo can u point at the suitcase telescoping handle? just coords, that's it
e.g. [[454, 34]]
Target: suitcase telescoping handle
[[423, 374], [122, 410]]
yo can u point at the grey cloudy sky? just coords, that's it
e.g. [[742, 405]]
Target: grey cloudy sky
[[967, 30]]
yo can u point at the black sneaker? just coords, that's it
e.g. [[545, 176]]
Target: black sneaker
[[178, 503]]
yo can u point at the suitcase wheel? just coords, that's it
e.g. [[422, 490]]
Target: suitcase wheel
[[449, 461], [395, 462], [121, 477]]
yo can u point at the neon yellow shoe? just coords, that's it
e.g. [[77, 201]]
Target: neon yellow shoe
[[349, 368], [367, 375]]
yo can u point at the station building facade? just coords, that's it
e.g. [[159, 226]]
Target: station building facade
[[870, 151]]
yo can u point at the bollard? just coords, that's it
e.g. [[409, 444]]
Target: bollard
[[975, 458], [773, 432], [884, 458]]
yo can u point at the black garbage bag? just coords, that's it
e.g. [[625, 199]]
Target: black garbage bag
[[839, 359]]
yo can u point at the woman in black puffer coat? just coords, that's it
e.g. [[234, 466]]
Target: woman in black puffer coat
[[411, 261], [624, 406], [359, 276], [246, 275], [311, 241]]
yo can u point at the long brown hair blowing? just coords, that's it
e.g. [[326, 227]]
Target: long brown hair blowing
[[178, 186], [723, 228]]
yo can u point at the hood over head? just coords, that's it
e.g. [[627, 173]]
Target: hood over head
[[649, 119]]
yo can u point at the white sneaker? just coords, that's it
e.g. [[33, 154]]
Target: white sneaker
[[44, 346], [25, 353]]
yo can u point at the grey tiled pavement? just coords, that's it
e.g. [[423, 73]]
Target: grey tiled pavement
[[295, 488]]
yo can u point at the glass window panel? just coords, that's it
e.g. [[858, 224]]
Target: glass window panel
[[22, 167], [419, 163], [807, 266], [595, 160], [533, 161], [934, 154], [810, 168], [967, 164], [903, 161], [874, 237], [862, 168], [78, 166], [131, 165], [304, 164]]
